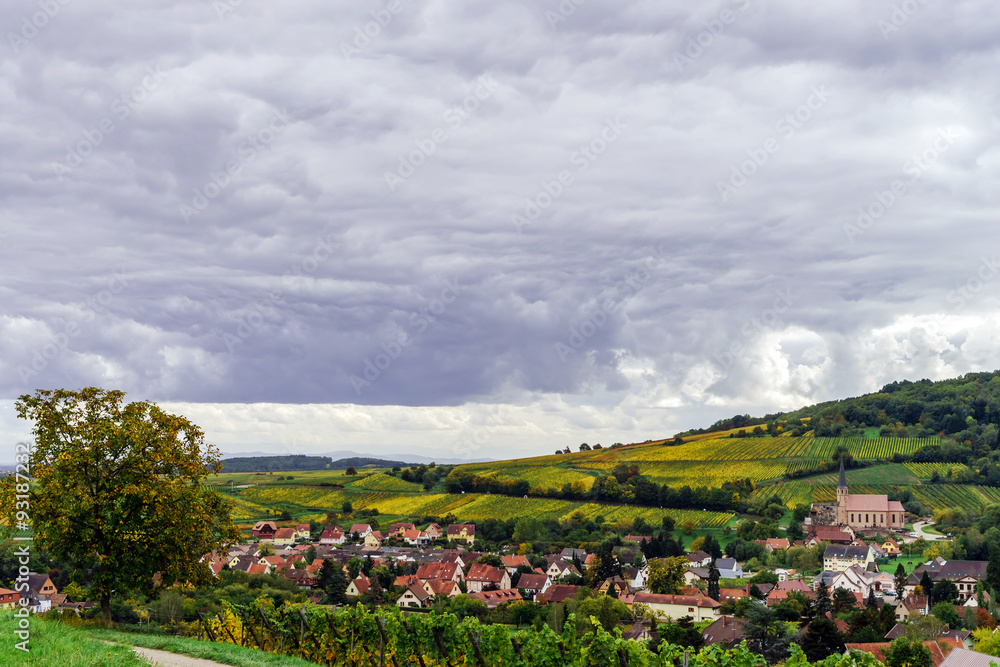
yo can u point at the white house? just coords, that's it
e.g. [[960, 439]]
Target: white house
[[729, 568]]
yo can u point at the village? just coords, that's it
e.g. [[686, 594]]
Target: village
[[422, 568]]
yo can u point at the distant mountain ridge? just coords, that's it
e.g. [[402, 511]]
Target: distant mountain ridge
[[336, 457]]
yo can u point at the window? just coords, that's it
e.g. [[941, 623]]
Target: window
[[691, 609], [866, 518], [852, 517], [881, 518]]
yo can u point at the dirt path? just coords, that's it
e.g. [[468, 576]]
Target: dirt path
[[167, 659]]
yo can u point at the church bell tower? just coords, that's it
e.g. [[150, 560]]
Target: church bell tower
[[842, 496]]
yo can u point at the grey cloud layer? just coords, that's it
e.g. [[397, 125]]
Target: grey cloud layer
[[316, 203]]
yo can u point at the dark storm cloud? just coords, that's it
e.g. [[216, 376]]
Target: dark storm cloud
[[642, 216]]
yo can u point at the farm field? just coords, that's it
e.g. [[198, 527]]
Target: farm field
[[539, 477], [699, 461], [889, 473], [791, 493], [306, 501], [925, 470], [711, 473], [293, 478]]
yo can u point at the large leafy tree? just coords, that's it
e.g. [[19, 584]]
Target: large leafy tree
[[907, 652], [117, 489], [666, 575]]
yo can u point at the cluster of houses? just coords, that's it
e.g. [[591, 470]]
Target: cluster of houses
[[849, 563], [38, 594]]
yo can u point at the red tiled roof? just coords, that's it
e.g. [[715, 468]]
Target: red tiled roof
[[486, 573], [685, 600]]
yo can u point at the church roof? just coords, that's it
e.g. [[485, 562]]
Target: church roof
[[869, 503], [843, 477]]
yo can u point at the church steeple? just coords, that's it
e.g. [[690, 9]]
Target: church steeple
[[843, 477]]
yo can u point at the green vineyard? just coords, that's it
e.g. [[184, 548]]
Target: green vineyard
[[469, 507]]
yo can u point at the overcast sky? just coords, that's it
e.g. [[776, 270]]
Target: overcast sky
[[488, 229]]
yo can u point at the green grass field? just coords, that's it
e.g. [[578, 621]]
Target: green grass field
[[52, 643], [909, 563]]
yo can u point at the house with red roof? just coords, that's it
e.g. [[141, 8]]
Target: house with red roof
[[284, 536], [494, 599], [264, 529], [331, 536], [482, 576]]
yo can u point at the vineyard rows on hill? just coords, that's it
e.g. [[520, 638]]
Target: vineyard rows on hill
[[468, 507]]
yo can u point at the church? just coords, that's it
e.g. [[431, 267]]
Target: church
[[866, 511]]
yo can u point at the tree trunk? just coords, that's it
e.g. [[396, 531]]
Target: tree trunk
[[106, 607]]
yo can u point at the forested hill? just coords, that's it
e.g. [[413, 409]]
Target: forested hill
[[275, 463], [964, 411]]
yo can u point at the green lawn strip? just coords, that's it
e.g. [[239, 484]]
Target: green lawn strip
[[909, 564], [932, 530], [227, 654], [53, 643]]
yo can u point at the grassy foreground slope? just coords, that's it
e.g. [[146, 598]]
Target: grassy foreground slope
[[53, 643]]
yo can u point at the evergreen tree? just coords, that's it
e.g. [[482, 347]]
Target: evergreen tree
[[822, 639], [711, 547], [766, 634], [713, 582], [843, 600], [900, 578], [325, 573], [823, 603], [927, 584], [871, 602], [993, 568], [336, 584]]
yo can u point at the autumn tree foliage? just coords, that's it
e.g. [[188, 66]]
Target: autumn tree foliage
[[117, 489]]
